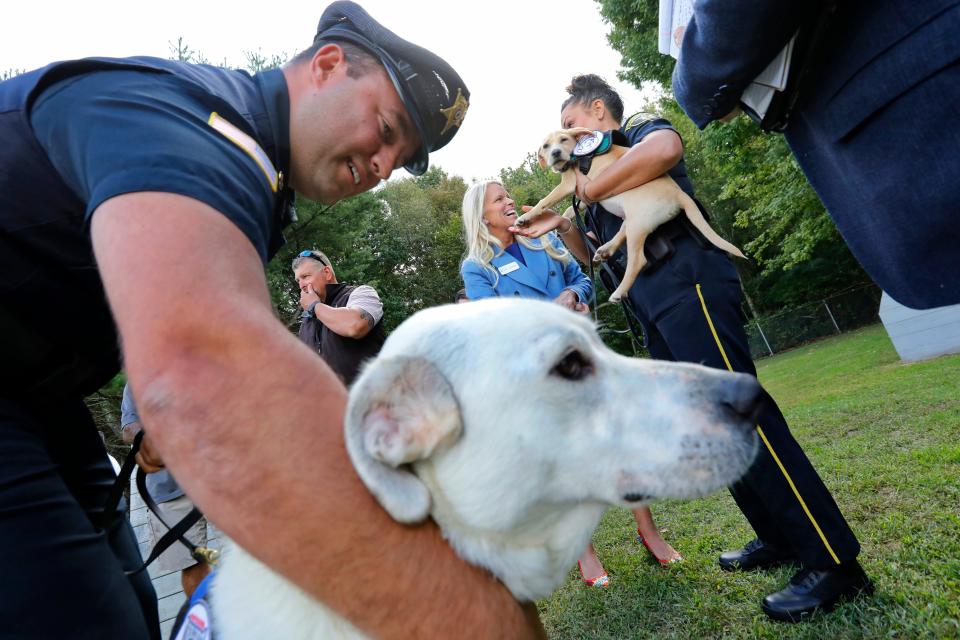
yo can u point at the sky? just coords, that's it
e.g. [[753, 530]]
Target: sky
[[516, 56]]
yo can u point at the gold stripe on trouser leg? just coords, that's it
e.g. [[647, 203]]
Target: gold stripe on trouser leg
[[763, 436]]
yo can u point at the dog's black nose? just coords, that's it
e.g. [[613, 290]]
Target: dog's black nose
[[555, 153], [744, 395]]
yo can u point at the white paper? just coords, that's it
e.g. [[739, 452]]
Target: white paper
[[775, 75], [673, 18], [758, 97], [674, 15], [666, 22]]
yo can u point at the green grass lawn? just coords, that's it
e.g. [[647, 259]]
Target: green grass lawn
[[885, 437]]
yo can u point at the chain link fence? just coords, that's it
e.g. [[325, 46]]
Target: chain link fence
[[831, 316]]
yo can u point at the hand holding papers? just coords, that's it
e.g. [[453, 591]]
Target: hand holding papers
[[674, 16]]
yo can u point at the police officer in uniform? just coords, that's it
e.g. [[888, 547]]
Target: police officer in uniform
[[688, 299], [139, 199]]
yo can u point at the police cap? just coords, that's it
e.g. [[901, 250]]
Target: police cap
[[433, 93]]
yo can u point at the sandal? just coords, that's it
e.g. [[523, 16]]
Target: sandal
[[601, 581], [663, 561]]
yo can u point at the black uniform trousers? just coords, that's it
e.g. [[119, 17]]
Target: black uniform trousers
[[59, 576], [690, 306]]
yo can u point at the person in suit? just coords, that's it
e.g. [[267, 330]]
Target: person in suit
[[874, 127], [498, 263]]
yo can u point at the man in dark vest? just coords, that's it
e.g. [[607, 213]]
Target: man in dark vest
[[341, 322]]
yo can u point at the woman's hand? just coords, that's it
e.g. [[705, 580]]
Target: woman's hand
[[567, 299], [545, 223]]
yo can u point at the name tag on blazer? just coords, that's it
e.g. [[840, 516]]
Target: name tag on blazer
[[508, 268]]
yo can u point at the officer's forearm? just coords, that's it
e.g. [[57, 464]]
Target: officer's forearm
[[656, 154], [349, 323], [250, 423]]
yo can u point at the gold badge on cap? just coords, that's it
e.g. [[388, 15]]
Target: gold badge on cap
[[456, 112]]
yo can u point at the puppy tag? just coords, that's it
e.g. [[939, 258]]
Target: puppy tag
[[508, 268], [588, 143]]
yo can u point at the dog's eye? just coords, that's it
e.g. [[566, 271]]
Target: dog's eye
[[564, 138], [545, 146], [573, 366]]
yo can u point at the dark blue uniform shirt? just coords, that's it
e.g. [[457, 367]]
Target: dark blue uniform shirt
[[79, 133], [116, 132]]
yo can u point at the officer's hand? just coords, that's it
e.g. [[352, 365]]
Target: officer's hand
[[567, 299], [147, 457], [128, 432], [545, 223], [307, 297]]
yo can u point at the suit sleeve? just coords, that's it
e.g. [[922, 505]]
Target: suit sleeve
[[575, 279], [477, 281], [725, 46]]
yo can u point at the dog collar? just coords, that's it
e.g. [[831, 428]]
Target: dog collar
[[588, 146]]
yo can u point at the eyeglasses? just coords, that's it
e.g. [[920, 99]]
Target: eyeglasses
[[316, 256]]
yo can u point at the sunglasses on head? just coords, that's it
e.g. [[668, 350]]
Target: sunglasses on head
[[314, 255]]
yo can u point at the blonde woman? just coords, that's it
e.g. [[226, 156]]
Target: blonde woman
[[498, 263]]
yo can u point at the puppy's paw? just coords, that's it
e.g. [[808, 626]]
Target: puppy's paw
[[602, 255]]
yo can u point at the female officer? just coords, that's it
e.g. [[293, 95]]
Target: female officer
[[499, 264], [690, 304]]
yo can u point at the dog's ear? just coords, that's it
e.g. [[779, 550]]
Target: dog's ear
[[400, 410], [576, 132], [543, 161]]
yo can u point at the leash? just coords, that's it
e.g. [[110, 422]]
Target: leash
[[174, 534], [636, 327]]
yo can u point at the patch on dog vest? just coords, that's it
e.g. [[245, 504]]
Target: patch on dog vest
[[639, 119], [587, 144], [196, 624]]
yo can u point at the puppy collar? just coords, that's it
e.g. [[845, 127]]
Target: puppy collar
[[588, 146]]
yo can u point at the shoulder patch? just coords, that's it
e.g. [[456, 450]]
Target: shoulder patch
[[248, 144], [638, 119]]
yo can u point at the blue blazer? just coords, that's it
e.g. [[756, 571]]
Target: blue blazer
[[876, 128], [541, 277]]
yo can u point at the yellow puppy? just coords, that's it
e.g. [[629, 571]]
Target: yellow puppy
[[642, 208]]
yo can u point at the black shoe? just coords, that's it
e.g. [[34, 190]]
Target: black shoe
[[812, 589], [756, 555]]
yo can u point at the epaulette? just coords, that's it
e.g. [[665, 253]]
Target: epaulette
[[638, 119]]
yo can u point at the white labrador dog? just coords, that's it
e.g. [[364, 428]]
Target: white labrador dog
[[512, 426]]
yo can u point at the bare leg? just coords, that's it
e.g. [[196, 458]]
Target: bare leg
[[658, 547], [590, 567]]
